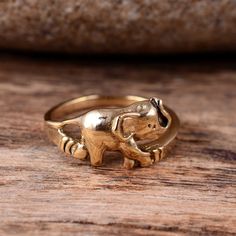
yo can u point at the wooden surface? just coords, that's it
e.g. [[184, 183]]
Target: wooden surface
[[192, 192]]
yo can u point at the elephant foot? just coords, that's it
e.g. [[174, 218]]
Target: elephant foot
[[147, 162], [128, 163], [96, 163]]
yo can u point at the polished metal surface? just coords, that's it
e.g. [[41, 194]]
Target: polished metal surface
[[141, 129]]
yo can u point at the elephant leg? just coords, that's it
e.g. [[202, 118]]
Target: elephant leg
[[96, 154], [146, 162], [133, 153], [128, 163]]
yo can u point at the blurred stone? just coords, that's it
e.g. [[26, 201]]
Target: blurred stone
[[118, 26]]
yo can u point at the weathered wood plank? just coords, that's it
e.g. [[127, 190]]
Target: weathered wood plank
[[191, 192]]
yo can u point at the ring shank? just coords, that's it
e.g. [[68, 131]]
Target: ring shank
[[86, 103]]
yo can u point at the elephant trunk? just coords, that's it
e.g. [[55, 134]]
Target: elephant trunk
[[162, 119]]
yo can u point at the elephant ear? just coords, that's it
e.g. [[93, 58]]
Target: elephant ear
[[121, 126]]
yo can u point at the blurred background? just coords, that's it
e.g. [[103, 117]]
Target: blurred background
[[120, 26]]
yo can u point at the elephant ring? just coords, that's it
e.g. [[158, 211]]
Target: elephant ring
[[141, 129]]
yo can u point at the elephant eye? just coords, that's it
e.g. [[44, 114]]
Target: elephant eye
[[149, 125]]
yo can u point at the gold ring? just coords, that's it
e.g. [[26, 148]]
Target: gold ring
[[141, 129]]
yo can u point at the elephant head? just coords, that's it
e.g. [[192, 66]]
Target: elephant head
[[144, 120]]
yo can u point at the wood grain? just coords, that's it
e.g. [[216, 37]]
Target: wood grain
[[192, 192]]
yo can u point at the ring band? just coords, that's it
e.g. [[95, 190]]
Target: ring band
[[141, 129]]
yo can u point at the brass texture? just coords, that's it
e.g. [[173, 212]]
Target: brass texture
[[141, 129]]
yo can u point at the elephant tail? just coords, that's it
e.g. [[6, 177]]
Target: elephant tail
[[71, 146]]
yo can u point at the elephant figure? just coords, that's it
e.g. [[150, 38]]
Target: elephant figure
[[122, 129]]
